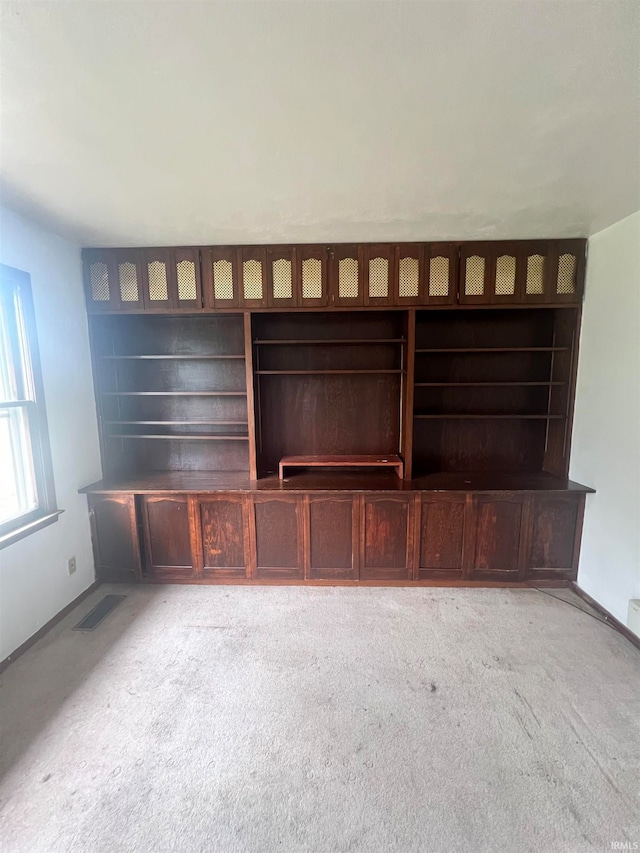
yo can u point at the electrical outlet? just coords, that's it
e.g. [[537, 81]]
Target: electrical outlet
[[72, 565]]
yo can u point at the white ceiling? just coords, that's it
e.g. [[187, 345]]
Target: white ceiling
[[166, 123]]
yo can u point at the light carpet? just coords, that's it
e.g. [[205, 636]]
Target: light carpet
[[323, 719]]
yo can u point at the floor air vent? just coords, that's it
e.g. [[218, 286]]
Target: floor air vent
[[103, 608]]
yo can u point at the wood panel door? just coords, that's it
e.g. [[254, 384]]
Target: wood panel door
[[440, 275], [332, 538], [386, 537], [347, 275], [409, 280], [440, 537], [497, 536], [100, 280], [115, 538], [188, 284], [553, 270], [311, 277], [159, 280], [276, 531], [556, 527], [491, 273], [252, 264], [220, 278], [167, 536], [380, 273], [282, 271], [223, 534]]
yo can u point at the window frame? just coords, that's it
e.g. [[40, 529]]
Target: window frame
[[17, 283]]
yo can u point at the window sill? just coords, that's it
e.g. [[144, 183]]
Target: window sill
[[29, 528]]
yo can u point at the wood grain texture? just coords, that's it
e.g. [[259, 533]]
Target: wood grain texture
[[333, 537], [167, 530], [278, 537], [223, 528], [441, 536], [500, 528], [114, 536], [386, 537]]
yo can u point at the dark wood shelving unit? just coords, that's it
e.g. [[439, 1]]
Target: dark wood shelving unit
[[428, 441]]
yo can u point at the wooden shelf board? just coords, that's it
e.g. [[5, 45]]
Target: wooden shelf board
[[514, 416], [174, 393], [176, 423], [323, 372], [491, 349], [206, 482], [337, 341], [482, 384], [159, 357], [183, 437]]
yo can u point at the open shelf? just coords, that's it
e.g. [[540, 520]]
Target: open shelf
[[176, 423], [334, 341], [172, 357], [174, 393], [321, 372], [182, 437], [483, 384], [515, 416], [490, 349]]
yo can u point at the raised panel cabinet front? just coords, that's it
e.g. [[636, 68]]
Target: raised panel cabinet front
[[441, 537], [333, 538], [167, 536], [278, 537], [499, 525], [223, 530], [114, 533], [386, 538], [555, 532]]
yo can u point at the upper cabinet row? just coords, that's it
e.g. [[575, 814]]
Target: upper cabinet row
[[342, 275]]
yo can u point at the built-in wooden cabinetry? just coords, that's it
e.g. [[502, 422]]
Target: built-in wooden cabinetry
[[213, 364]]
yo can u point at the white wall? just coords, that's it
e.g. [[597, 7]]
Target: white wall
[[34, 580], [606, 437]]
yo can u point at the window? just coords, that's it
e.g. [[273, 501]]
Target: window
[[27, 497]]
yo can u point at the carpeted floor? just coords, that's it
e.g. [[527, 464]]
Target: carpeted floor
[[229, 719]]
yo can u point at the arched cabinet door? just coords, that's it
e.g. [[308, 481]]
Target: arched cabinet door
[[311, 276], [347, 275], [282, 272], [113, 279], [332, 522], [440, 537], [115, 537], [380, 271], [167, 536], [499, 527], [386, 537], [223, 535], [277, 536]]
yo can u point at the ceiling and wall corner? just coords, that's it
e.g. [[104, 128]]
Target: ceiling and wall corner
[[188, 123]]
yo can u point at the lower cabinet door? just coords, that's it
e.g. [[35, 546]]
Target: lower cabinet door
[[167, 536], [556, 526], [114, 533], [278, 537], [333, 537], [223, 527], [500, 526], [386, 543], [441, 537]]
